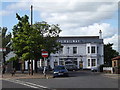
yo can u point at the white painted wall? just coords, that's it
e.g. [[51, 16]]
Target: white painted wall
[[81, 50]]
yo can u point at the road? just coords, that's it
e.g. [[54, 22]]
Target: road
[[80, 79]]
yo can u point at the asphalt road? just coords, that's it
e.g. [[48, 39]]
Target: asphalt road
[[80, 79]]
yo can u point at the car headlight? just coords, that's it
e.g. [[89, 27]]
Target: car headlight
[[55, 72]]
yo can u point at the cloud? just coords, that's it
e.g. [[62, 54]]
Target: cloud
[[114, 40], [5, 12], [75, 17], [109, 33], [92, 30]]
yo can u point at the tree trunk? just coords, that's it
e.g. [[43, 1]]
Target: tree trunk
[[35, 65], [29, 67], [22, 67], [3, 63]]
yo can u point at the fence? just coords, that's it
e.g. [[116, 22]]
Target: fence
[[108, 69]]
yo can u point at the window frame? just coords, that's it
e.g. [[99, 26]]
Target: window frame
[[93, 63], [75, 50], [93, 50], [88, 63]]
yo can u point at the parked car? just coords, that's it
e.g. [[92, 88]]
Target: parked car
[[47, 68], [60, 70], [95, 69], [71, 67]]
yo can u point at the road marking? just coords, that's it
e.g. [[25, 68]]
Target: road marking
[[32, 85], [61, 78]]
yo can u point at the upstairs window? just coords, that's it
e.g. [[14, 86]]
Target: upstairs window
[[74, 50], [93, 49], [97, 49], [88, 49]]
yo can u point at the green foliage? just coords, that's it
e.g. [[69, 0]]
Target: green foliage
[[5, 42], [109, 53], [28, 41]]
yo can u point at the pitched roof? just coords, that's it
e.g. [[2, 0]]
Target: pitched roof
[[116, 58]]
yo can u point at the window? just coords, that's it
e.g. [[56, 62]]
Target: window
[[88, 49], [93, 62], [61, 62], [68, 49], [114, 63], [88, 62], [61, 50], [93, 49], [74, 50], [97, 49]]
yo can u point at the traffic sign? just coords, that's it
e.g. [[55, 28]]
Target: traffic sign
[[44, 54]]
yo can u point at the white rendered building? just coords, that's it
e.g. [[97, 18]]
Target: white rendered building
[[84, 51]]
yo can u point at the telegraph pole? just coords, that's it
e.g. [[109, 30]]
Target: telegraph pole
[[31, 14], [31, 26]]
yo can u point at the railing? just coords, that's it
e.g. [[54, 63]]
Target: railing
[[108, 69]]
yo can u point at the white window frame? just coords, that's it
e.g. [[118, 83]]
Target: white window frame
[[91, 49], [95, 62], [89, 62]]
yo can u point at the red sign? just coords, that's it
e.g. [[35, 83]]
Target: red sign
[[44, 54]]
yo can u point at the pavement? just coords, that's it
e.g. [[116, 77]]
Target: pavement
[[40, 75], [19, 75], [110, 75]]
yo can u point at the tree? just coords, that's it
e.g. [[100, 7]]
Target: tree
[[109, 53], [22, 40], [6, 38], [28, 41], [50, 34]]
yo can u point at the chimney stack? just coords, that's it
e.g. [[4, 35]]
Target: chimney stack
[[100, 34]]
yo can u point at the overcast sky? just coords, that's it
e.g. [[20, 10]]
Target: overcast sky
[[75, 17]]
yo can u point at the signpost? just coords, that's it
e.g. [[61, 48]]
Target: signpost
[[44, 55]]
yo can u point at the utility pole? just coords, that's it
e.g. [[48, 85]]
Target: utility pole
[[1, 53], [31, 14], [31, 26]]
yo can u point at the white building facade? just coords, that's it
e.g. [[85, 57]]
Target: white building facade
[[86, 52]]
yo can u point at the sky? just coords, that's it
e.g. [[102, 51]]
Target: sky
[[75, 17]]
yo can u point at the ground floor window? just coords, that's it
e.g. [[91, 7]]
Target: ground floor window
[[75, 62], [55, 63], [93, 61], [88, 62], [61, 62]]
